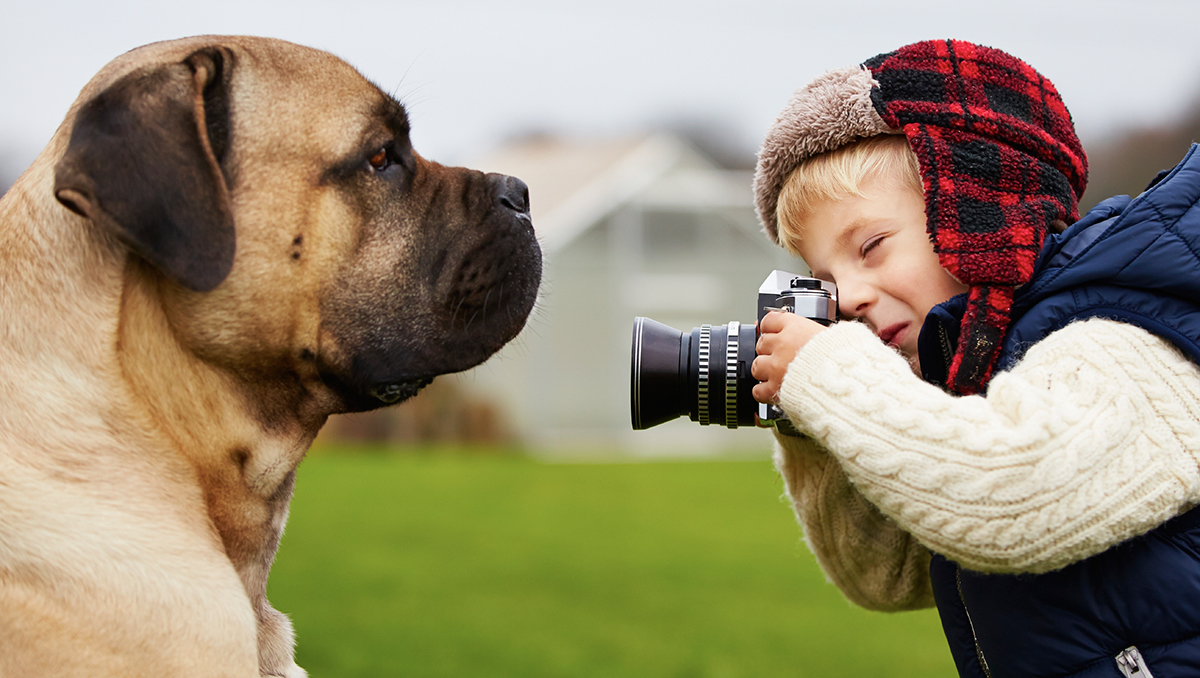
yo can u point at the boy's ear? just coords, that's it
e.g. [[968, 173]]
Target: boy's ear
[[1058, 226], [143, 163]]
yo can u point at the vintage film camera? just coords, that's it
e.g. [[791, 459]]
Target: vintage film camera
[[706, 374]]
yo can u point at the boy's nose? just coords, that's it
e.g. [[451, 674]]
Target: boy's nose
[[855, 299]]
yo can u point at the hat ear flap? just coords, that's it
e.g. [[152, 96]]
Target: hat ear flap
[[143, 163]]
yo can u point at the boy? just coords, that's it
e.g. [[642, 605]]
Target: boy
[[1043, 499]]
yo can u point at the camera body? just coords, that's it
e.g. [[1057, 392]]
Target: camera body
[[705, 374], [809, 297]]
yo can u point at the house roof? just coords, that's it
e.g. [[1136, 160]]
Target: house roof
[[575, 183]]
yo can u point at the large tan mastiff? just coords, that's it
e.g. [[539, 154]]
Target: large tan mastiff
[[227, 240]]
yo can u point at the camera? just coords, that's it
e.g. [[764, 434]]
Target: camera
[[705, 374]]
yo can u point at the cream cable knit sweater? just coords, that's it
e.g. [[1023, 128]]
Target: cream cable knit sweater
[[1093, 438]]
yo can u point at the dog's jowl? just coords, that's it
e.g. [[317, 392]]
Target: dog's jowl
[[226, 241]]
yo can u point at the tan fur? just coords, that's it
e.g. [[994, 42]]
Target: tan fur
[[827, 113], [149, 433]]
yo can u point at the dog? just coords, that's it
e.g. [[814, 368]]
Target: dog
[[227, 240]]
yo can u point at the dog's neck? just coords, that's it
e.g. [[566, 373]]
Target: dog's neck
[[95, 375], [78, 327], [210, 413], [243, 450], [59, 290]]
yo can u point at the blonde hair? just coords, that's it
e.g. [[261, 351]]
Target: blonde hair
[[839, 174]]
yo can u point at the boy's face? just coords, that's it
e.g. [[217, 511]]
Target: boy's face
[[876, 249]]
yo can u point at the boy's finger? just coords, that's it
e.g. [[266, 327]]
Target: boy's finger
[[758, 368], [773, 321], [766, 344], [764, 392]]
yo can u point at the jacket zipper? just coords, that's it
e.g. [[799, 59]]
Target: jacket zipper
[[1129, 660], [1131, 664], [979, 650], [946, 346]]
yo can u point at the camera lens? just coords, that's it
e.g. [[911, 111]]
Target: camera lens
[[704, 374]]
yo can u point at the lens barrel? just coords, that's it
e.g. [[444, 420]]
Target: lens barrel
[[704, 374]]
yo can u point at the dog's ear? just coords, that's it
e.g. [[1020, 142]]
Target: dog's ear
[[144, 162]]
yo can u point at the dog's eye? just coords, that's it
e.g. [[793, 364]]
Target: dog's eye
[[380, 161]]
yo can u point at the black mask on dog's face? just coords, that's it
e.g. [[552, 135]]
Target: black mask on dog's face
[[445, 272]]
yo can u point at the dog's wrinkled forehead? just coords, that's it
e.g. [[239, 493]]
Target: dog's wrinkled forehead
[[311, 100], [300, 96]]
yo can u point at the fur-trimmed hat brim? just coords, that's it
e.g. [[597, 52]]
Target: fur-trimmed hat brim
[[827, 113]]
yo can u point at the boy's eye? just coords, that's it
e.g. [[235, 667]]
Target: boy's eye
[[871, 244]]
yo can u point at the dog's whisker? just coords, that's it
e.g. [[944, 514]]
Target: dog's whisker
[[456, 310]]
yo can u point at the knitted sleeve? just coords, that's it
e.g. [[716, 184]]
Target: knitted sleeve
[[1091, 439], [872, 561]]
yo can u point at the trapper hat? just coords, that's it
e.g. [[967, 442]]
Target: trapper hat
[[998, 156]]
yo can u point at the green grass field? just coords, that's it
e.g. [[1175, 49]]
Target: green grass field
[[455, 565]]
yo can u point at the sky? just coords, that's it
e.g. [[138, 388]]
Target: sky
[[473, 73]]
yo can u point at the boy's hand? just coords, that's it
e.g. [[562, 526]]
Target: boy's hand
[[782, 335]]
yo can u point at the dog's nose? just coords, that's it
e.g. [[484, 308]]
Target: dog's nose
[[511, 192]]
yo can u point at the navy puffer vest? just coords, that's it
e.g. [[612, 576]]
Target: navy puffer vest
[[1136, 261]]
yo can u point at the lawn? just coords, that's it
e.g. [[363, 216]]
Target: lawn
[[451, 565]]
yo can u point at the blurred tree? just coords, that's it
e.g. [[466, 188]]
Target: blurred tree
[[12, 163], [1126, 162], [8, 172]]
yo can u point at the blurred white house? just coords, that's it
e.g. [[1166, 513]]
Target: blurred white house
[[633, 226]]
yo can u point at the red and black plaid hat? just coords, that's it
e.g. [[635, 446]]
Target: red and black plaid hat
[[999, 162]]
